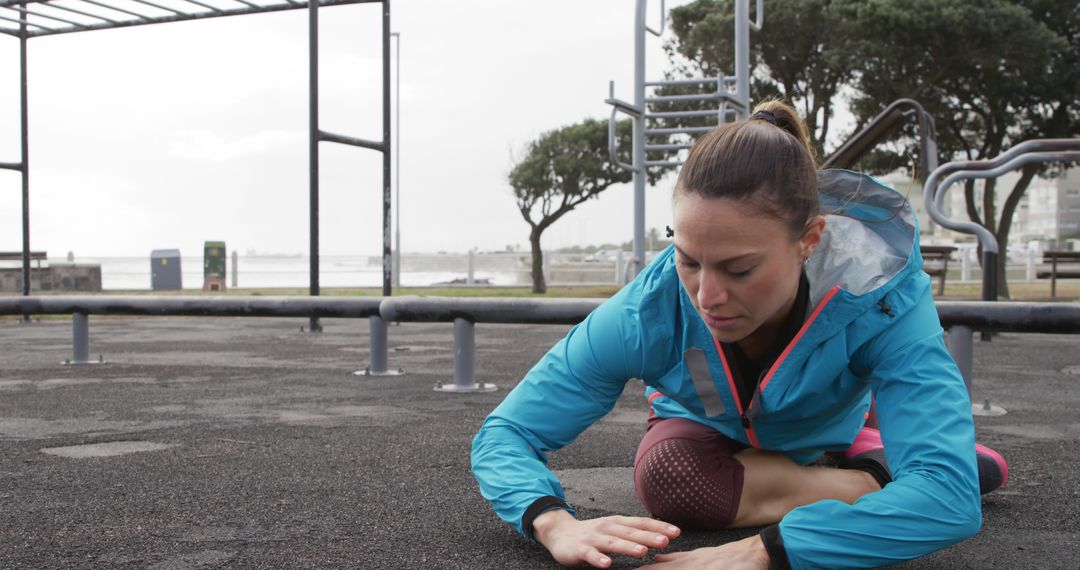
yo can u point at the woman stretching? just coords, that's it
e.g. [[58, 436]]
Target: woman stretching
[[788, 297]]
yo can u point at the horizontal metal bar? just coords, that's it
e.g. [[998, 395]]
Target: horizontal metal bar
[[663, 163], [1009, 316], [40, 15], [158, 6], [81, 13], [678, 131], [21, 21], [143, 19], [331, 307], [682, 114], [681, 98], [11, 166], [624, 106], [207, 6], [667, 147], [352, 141], [487, 310], [670, 82], [117, 9]]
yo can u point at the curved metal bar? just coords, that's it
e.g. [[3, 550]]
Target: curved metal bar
[[663, 21], [858, 144], [358, 307], [759, 16], [933, 182], [612, 138], [986, 237]]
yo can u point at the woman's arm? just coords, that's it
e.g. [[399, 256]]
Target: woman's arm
[[924, 414], [572, 386]]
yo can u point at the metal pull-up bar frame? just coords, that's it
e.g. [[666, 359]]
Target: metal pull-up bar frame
[[90, 15], [733, 102]]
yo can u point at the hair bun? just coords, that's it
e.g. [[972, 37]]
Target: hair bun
[[776, 112]]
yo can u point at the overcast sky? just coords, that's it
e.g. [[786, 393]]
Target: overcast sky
[[168, 135]]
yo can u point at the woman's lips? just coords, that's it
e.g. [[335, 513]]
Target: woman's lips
[[719, 322]]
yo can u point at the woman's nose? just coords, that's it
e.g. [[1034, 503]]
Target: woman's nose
[[711, 291]]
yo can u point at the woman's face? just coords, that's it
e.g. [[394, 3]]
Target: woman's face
[[739, 265]]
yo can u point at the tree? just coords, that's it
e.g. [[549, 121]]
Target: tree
[[560, 170], [991, 72], [801, 53]]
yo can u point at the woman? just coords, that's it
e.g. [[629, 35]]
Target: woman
[[760, 335]]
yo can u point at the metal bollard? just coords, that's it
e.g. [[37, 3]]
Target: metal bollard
[[377, 366], [80, 340], [960, 347], [464, 361]]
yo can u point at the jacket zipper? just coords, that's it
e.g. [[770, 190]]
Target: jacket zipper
[[766, 376]]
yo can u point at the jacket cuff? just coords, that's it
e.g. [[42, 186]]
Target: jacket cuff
[[774, 545], [539, 507]]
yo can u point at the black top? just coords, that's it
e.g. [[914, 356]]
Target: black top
[[748, 372]]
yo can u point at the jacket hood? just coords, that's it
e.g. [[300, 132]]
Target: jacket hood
[[870, 237]]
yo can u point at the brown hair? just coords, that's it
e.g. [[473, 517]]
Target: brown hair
[[766, 158]]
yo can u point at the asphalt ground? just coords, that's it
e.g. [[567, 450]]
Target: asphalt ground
[[246, 443]]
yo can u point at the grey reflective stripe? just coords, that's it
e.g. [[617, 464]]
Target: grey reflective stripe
[[698, 366]]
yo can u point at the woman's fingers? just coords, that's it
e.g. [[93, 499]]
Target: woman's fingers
[[658, 526]]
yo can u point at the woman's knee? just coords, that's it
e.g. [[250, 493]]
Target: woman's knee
[[690, 483]]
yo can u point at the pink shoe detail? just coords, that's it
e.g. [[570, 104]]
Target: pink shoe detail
[[998, 459], [868, 439]]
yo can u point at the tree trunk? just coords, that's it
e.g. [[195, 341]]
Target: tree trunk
[[539, 285], [1008, 209]]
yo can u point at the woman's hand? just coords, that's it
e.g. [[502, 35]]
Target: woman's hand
[[572, 542], [746, 554]]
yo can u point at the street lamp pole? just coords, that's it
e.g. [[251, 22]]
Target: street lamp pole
[[397, 159]]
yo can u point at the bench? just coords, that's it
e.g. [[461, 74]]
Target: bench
[[17, 256], [1054, 258], [935, 254]]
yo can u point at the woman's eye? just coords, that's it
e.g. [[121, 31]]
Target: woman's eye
[[740, 273], [688, 264]]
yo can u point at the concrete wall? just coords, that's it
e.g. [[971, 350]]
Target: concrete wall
[[73, 277]]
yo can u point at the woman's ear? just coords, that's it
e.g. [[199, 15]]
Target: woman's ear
[[812, 235]]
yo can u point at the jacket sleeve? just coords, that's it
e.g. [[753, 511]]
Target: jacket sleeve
[[924, 414], [572, 386]]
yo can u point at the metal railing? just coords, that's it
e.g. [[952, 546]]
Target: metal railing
[[944, 176], [960, 318], [884, 125]]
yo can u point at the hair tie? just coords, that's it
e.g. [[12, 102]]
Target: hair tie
[[766, 116]]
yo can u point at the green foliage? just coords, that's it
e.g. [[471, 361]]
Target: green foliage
[[971, 63], [801, 54], [565, 167]]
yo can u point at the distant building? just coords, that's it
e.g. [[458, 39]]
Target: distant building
[[1048, 213]]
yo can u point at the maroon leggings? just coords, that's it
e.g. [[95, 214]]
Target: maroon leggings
[[685, 473]]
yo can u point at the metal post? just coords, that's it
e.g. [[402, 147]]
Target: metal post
[[1029, 270], [989, 287], [965, 266], [464, 361], [639, 138], [960, 347], [397, 158], [313, 151], [387, 262], [25, 133], [377, 365], [619, 267], [80, 340], [742, 57], [235, 269], [80, 337]]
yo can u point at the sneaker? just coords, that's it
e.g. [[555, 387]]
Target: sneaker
[[993, 470]]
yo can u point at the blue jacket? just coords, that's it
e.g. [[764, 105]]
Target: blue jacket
[[871, 326]]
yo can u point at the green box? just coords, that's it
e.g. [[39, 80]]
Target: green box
[[214, 259]]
